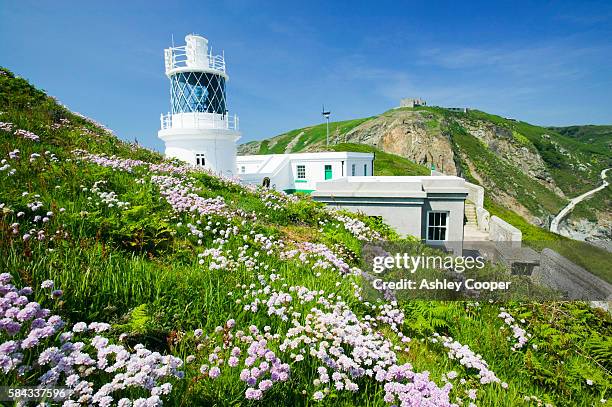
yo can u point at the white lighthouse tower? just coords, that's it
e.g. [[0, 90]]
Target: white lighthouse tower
[[199, 129]]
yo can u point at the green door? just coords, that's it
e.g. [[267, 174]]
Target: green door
[[328, 172]]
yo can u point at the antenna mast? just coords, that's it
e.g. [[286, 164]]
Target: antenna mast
[[326, 114]]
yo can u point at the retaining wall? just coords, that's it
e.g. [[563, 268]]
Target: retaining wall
[[502, 231], [559, 273]]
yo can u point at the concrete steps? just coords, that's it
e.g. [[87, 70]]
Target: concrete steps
[[471, 233], [470, 214]]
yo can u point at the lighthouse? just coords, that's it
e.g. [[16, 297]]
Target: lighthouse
[[199, 129]]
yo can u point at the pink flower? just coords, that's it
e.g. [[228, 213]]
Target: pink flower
[[214, 372]]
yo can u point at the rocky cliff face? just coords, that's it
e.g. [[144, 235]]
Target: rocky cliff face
[[514, 149], [415, 135]]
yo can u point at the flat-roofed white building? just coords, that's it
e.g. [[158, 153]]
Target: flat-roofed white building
[[300, 172], [430, 208]]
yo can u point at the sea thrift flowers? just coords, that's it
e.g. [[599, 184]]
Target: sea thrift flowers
[[113, 368], [357, 228], [469, 359], [28, 135], [518, 333]]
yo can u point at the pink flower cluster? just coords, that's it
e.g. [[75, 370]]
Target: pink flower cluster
[[261, 368], [6, 126], [181, 196], [356, 227], [169, 168], [28, 135], [467, 358], [63, 122], [25, 321], [40, 221], [518, 333], [274, 200], [324, 329], [324, 257], [411, 389], [112, 368], [111, 162]]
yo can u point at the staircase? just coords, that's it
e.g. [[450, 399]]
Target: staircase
[[470, 214], [471, 233]]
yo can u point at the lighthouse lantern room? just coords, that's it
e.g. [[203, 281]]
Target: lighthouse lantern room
[[199, 129]]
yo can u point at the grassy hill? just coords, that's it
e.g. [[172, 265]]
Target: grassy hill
[[385, 163], [127, 277], [597, 135]]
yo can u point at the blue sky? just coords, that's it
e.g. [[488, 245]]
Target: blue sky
[[543, 62]]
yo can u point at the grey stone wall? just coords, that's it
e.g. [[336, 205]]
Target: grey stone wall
[[559, 273]]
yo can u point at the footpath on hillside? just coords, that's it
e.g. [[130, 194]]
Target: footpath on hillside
[[554, 225]]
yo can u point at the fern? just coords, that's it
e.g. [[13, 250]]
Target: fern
[[600, 349], [426, 317], [138, 320]]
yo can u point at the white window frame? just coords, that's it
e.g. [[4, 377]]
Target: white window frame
[[202, 157], [353, 170], [243, 169], [445, 227], [297, 171]]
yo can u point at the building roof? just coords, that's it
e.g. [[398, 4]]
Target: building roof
[[391, 186], [306, 156], [271, 163]]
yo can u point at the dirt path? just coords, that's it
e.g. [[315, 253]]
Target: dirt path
[[554, 225]]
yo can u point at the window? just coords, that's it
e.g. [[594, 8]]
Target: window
[[200, 161], [365, 169], [197, 92], [301, 171], [242, 169], [353, 170], [436, 226]]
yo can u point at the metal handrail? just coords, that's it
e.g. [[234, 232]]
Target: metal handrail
[[176, 57], [200, 120]]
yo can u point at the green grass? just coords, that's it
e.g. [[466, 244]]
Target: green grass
[[384, 163], [308, 136], [138, 270]]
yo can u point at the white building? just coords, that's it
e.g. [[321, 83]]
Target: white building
[[302, 171], [198, 129], [412, 102], [427, 207]]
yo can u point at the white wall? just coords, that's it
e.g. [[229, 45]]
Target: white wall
[[217, 145], [475, 194], [359, 164], [315, 172], [404, 219], [282, 168], [502, 231]]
